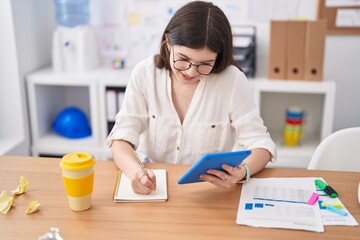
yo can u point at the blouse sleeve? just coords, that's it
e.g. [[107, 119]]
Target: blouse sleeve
[[132, 119], [249, 127]]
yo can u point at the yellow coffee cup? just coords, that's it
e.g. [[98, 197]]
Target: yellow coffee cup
[[78, 175]]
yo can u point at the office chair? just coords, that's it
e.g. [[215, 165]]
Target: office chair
[[339, 151]]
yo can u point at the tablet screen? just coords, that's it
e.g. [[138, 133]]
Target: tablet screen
[[212, 161]]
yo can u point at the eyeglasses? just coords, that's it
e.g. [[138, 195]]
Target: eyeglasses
[[182, 65]]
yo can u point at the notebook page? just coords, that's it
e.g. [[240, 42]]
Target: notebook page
[[125, 193]]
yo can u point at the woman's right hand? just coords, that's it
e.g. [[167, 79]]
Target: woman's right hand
[[144, 181]]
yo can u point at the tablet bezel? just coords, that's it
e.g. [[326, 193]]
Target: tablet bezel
[[213, 161]]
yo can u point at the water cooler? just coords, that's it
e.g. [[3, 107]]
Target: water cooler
[[74, 48]]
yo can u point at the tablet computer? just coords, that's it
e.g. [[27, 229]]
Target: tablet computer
[[212, 161]]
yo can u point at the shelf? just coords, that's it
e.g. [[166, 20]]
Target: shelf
[[49, 92], [292, 86], [297, 156], [116, 80], [8, 143], [317, 99], [51, 143]]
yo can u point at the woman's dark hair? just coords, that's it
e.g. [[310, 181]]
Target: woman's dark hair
[[196, 25]]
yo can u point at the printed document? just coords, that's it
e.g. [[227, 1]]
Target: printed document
[[330, 218], [279, 203]]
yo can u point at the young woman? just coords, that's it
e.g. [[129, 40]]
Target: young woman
[[189, 100]]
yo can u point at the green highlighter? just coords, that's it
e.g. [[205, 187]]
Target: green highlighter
[[326, 188]]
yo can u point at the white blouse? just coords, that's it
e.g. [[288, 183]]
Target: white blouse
[[222, 116]]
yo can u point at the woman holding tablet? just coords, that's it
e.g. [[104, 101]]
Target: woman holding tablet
[[189, 100]]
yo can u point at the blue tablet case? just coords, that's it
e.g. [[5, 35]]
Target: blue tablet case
[[212, 161]]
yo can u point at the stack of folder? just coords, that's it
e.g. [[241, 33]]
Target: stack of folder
[[244, 42], [114, 99], [297, 50]]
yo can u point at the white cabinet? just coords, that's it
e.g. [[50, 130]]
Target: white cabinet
[[50, 92], [114, 80], [315, 98]]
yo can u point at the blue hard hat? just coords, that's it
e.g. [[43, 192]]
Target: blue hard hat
[[71, 122]]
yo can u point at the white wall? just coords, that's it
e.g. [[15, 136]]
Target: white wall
[[26, 28], [12, 130], [342, 63]]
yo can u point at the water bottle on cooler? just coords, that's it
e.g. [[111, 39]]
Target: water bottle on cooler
[[74, 41], [72, 13]]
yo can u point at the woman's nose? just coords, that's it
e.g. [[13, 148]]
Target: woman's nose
[[192, 71]]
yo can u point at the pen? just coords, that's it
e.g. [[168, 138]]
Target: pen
[[145, 173], [326, 188], [141, 165]]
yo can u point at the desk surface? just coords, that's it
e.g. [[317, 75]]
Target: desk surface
[[194, 211]]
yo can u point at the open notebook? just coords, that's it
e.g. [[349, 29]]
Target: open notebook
[[124, 192]]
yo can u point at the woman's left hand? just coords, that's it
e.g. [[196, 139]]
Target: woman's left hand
[[226, 178]]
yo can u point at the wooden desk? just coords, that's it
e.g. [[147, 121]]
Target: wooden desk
[[195, 211]]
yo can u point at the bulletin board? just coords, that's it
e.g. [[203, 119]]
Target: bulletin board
[[343, 17], [131, 30]]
